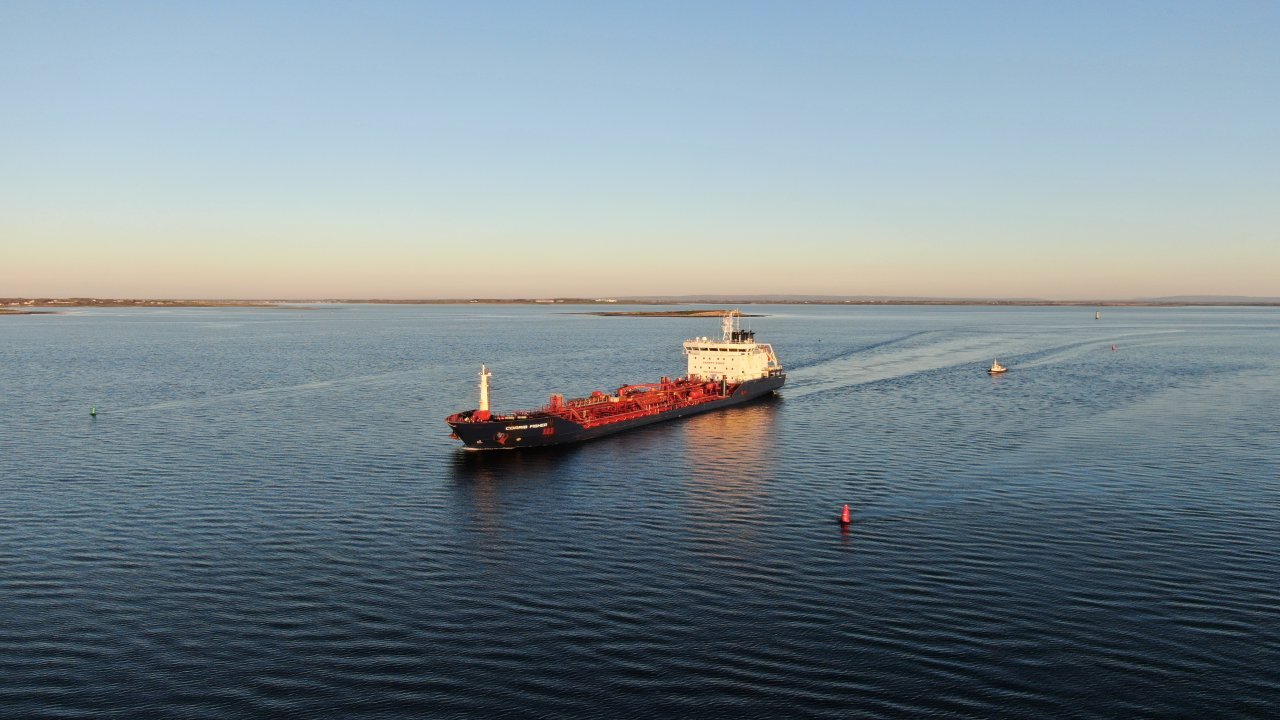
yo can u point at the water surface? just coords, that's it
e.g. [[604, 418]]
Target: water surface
[[268, 517]]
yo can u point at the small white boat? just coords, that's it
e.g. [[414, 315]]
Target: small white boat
[[996, 368], [1097, 314]]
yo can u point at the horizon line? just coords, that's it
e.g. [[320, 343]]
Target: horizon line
[[725, 299]]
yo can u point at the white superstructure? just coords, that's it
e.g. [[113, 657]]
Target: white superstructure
[[735, 357]]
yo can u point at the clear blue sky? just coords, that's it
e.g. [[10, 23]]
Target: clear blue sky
[[1067, 150]]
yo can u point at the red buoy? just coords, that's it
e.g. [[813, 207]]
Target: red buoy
[[844, 516]]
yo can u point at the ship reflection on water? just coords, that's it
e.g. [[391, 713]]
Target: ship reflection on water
[[737, 441], [473, 467], [486, 483], [731, 459]]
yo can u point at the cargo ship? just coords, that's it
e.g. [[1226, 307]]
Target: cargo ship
[[729, 371]]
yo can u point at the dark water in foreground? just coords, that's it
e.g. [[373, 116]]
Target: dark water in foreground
[[268, 518]]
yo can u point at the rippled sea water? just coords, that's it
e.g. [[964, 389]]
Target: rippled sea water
[[267, 518]]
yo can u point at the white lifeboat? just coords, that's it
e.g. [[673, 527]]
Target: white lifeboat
[[996, 368]]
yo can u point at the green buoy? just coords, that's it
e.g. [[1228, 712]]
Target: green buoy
[[93, 411]]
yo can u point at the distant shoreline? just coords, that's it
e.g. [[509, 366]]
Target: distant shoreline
[[28, 306], [41, 306]]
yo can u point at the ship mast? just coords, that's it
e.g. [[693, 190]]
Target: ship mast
[[484, 389], [729, 325]]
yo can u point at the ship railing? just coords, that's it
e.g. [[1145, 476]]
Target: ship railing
[[566, 412], [610, 411], [595, 410]]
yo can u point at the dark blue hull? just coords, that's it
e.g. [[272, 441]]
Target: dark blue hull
[[539, 430]]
